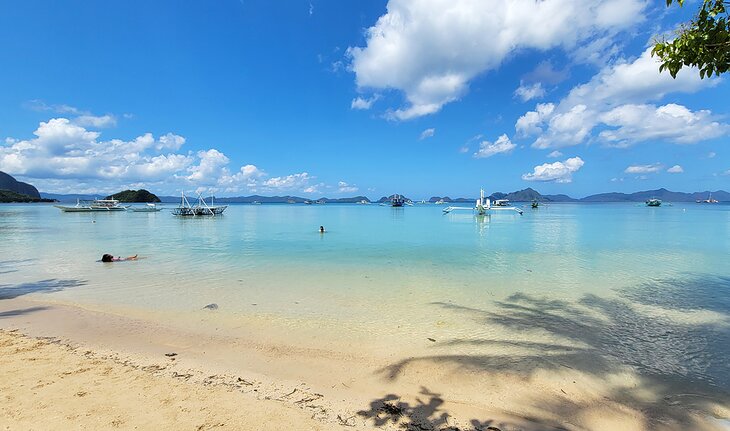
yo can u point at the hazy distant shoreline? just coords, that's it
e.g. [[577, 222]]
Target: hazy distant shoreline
[[525, 195]]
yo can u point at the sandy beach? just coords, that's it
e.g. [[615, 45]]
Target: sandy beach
[[69, 367], [48, 385]]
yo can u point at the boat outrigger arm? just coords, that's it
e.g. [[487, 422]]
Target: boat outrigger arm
[[483, 206]]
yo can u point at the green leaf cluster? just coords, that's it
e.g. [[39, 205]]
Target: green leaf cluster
[[703, 43]]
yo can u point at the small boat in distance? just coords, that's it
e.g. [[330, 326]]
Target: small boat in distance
[[96, 205], [364, 202], [149, 208], [709, 200], [255, 203], [501, 203], [653, 202], [199, 209], [307, 202], [397, 201], [484, 206], [535, 203], [291, 201], [440, 202]]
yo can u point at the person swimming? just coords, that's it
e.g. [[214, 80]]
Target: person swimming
[[110, 258], [321, 229]]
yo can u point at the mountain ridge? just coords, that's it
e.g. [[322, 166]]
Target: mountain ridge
[[524, 195]]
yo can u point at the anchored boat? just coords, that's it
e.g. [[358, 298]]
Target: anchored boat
[[96, 205], [653, 202], [149, 208], [201, 208], [484, 206], [709, 200]]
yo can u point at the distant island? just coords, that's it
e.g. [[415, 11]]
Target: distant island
[[140, 195], [525, 195], [12, 191]]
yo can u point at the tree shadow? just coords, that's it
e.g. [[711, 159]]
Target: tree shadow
[[689, 293], [21, 311], [10, 291], [684, 364], [427, 415]]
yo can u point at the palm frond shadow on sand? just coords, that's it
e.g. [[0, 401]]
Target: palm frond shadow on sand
[[684, 365]]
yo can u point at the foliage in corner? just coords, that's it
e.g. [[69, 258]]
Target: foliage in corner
[[703, 43]]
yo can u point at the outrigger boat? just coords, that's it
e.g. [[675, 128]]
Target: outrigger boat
[[149, 208], [199, 209], [653, 202], [709, 200], [483, 206], [397, 201], [96, 205]]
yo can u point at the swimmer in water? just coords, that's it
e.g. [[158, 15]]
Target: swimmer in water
[[110, 258]]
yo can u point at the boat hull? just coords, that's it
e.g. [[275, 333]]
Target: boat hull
[[88, 209], [198, 211]]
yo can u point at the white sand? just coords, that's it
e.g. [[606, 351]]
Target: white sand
[[102, 371]]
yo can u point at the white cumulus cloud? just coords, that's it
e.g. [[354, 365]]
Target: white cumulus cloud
[[64, 157], [98, 122], [559, 172], [676, 169], [363, 103], [615, 98], [343, 187], [488, 149], [431, 49], [528, 92], [289, 182], [644, 169], [427, 133], [531, 123], [671, 123], [555, 154]]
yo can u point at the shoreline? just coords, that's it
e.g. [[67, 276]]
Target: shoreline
[[341, 389]]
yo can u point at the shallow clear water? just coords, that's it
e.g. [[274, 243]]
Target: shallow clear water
[[648, 287]]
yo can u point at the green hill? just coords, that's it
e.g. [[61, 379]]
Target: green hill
[[7, 182], [6, 196], [140, 195]]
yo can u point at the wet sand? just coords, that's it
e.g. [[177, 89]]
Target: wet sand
[[68, 367]]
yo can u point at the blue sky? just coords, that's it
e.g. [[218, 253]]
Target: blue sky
[[339, 98]]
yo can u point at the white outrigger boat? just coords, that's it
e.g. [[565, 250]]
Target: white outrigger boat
[[199, 209], [149, 208], [96, 205], [483, 206]]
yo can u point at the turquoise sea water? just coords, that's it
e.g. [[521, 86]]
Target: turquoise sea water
[[648, 287]]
